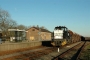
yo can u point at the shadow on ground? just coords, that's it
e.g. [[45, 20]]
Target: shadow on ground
[[46, 43]]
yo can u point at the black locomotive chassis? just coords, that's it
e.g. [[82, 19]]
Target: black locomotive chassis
[[58, 42]]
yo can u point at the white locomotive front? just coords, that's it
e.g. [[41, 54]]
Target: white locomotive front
[[58, 34]]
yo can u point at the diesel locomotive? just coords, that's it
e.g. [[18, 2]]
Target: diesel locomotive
[[62, 36]]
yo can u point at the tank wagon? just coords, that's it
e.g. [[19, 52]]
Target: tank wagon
[[62, 36]]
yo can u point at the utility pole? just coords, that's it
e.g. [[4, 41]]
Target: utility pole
[[39, 33]]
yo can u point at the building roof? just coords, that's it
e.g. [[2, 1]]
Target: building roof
[[41, 29]]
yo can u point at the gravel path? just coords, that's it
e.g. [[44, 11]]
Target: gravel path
[[24, 52]]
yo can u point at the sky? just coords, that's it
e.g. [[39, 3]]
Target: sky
[[74, 14]]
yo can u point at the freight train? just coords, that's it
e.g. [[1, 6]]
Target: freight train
[[62, 36]]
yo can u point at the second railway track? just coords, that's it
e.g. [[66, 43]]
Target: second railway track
[[71, 54]]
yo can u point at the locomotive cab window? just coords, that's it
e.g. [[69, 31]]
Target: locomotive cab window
[[62, 28], [65, 29]]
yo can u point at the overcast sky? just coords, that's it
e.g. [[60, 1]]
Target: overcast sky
[[74, 14]]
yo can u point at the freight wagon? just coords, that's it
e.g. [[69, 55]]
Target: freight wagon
[[62, 36]]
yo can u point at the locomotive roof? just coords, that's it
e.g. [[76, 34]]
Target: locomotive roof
[[60, 27]]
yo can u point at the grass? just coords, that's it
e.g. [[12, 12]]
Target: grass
[[85, 55]]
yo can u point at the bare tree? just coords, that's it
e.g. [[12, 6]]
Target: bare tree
[[12, 24], [37, 26], [42, 27], [22, 27], [4, 16], [6, 22]]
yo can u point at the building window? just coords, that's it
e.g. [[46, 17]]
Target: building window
[[33, 29]]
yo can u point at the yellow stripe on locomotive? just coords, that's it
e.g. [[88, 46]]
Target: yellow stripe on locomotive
[[64, 42]]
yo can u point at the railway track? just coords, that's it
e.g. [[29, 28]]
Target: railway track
[[71, 54]]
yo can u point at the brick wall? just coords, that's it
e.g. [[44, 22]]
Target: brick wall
[[33, 34]]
